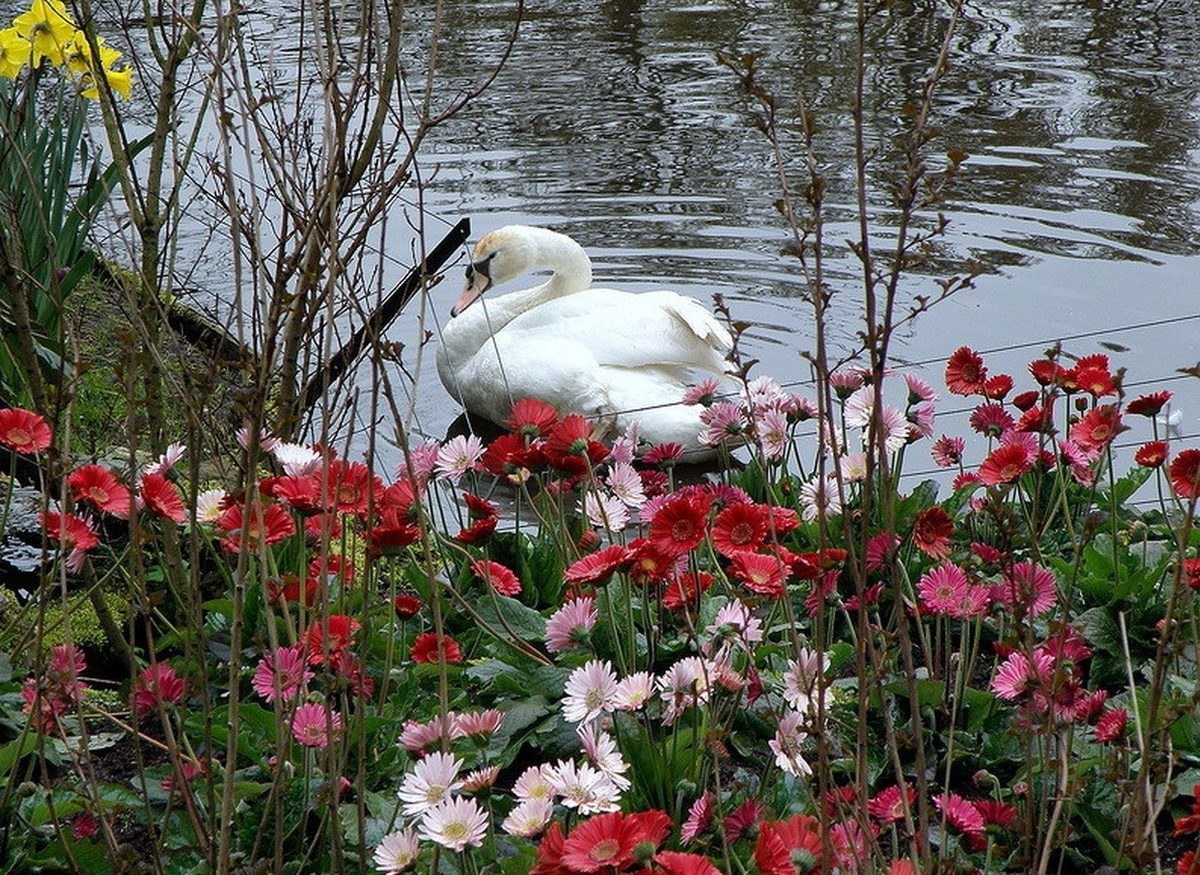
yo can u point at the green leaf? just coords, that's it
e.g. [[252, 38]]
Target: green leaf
[[525, 623], [14, 751]]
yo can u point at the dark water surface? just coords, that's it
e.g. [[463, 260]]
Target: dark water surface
[[614, 123]]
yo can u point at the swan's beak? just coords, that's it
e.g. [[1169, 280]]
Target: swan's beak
[[478, 282]]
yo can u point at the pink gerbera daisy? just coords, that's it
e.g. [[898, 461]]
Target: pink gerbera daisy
[[590, 691], [161, 497], [947, 451], [1029, 589], [501, 579], [598, 566], [959, 813], [100, 488], [157, 683], [1020, 673], [282, 674], [24, 431], [313, 723], [569, 625], [942, 590]]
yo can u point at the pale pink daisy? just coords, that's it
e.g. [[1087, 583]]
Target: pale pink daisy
[[590, 691], [528, 818], [772, 427], [947, 451], [762, 394], [430, 783], [703, 392], [853, 467], [626, 484], [634, 691], [1029, 590], [423, 459], [845, 383], [534, 783], [297, 460], [1020, 673], [479, 723], [583, 787], [164, 463], [922, 417], [605, 511], [722, 422], [568, 626], [480, 779], [734, 623], [456, 824], [282, 674], [208, 506], [601, 749], [819, 498], [800, 409], [266, 441], [397, 851], [858, 407], [624, 448], [942, 590], [684, 685], [313, 723], [800, 681], [789, 737], [419, 736], [699, 817], [895, 429], [919, 390], [458, 456]]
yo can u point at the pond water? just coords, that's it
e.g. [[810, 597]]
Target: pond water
[[614, 123]]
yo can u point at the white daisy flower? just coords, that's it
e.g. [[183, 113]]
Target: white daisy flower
[[634, 691], [786, 744], [397, 851], [455, 823], [534, 783], [601, 749], [430, 782], [528, 818], [590, 692], [584, 787], [297, 460]]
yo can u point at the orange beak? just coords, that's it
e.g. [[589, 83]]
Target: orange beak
[[478, 282]]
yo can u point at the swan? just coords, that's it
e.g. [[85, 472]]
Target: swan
[[619, 357]]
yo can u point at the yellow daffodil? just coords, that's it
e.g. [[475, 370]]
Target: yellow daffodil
[[14, 52], [120, 81], [48, 28], [77, 58]]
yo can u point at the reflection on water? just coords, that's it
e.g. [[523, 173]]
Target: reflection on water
[[614, 123]]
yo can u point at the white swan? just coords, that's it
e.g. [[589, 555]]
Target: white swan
[[617, 356]]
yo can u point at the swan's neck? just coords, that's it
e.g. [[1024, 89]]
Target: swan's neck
[[572, 272]]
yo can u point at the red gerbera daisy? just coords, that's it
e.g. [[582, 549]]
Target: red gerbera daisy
[[991, 420], [740, 528], [425, 648], [1036, 420], [1097, 382], [607, 842], [1045, 371], [301, 492], [351, 486], [598, 566], [100, 488], [161, 497], [682, 590], [997, 387], [1185, 473], [1097, 428], [999, 814], [681, 863], [267, 525], [932, 532], [406, 606], [157, 683], [1148, 405], [532, 418], [508, 454], [340, 631], [965, 373], [24, 431], [72, 532], [1005, 464], [959, 813], [785, 847], [501, 579], [1026, 400], [393, 534], [887, 806], [651, 563], [741, 819], [1151, 455], [679, 524], [569, 446], [479, 532], [1111, 725], [664, 455], [1191, 572], [763, 574]]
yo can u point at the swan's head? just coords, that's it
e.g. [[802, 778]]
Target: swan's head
[[498, 257]]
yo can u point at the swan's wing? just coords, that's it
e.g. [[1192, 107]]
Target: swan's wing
[[629, 330]]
